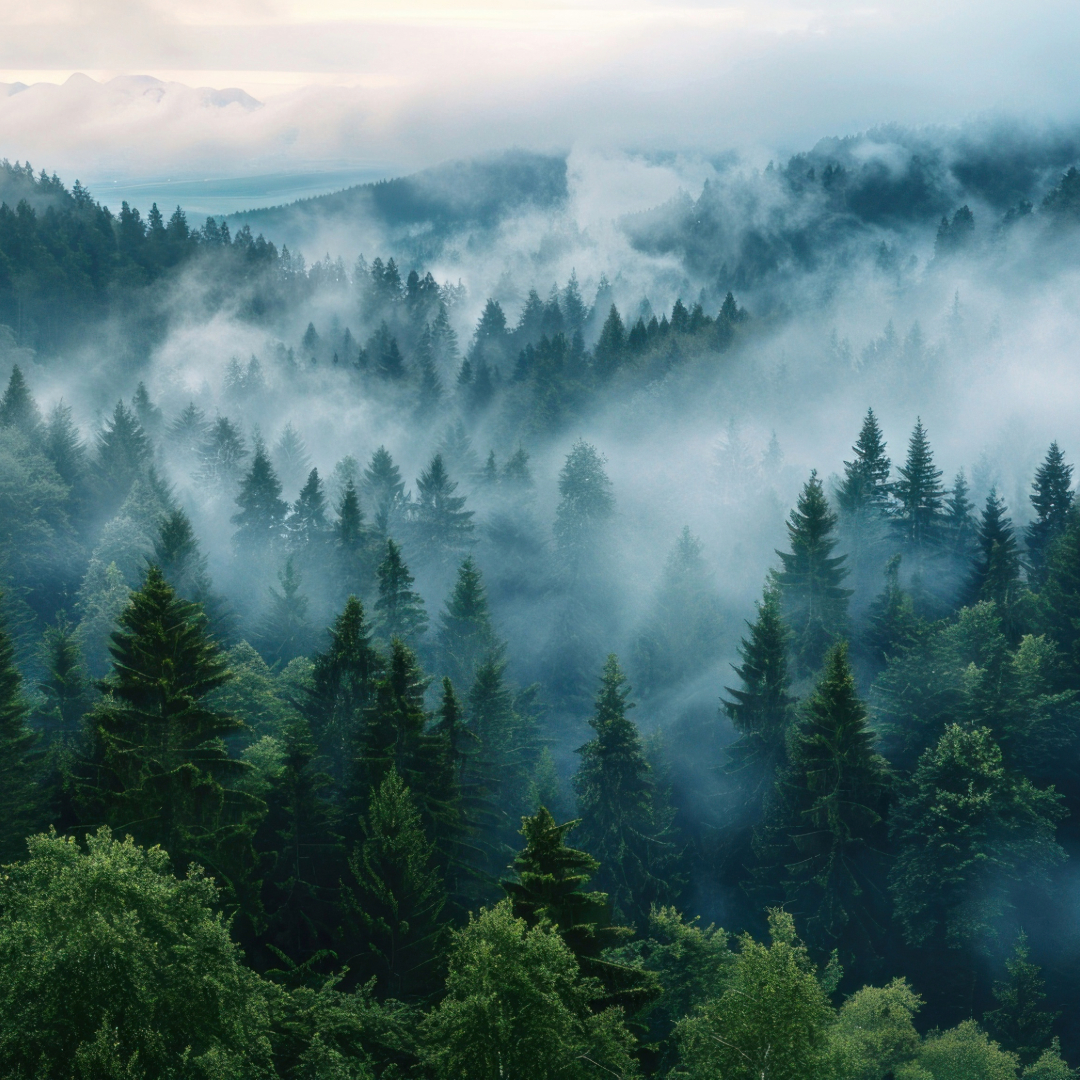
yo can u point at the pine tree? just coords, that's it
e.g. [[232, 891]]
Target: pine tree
[[996, 574], [65, 683], [396, 896], [465, 633], [342, 686], [159, 768], [863, 495], [1052, 498], [1061, 595], [306, 524], [891, 622], [147, 413], [222, 454], [18, 409], [399, 610], [625, 822], [290, 458], [351, 541], [1018, 1023], [762, 711], [189, 430], [262, 512], [17, 795], [440, 521], [385, 491], [826, 827], [176, 551], [284, 632], [63, 446], [608, 354], [123, 453], [586, 503], [919, 494], [959, 521], [811, 578]]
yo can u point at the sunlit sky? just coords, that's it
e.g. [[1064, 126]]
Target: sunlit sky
[[353, 82]]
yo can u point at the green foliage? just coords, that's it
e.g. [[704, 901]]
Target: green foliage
[[1018, 1023], [16, 740], [516, 1005], [772, 1020], [284, 632], [586, 503], [1052, 498], [440, 521], [261, 519], [466, 634], [111, 966], [961, 1053], [875, 1034], [919, 493], [400, 611]]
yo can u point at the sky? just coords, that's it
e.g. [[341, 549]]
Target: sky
[[388, 87]]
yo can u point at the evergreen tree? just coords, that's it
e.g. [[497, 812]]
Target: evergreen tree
[[385, 491], [761, 711], [306, 524], [996, 574], [811, 578], [1061, 596], [159, 767], [176, 550], [262, 512], [146, 412], [351, 540], [222, 454], [440, 521], [1052, 498], [63, 446], [608, 354], [891, 622], [290, 457], [625, 822], [865, 486], [18, 409], [967, 832], [465, 633], [285, 632], [824, 836], [1019, 1023], [123, 453], [586, 503], [189, 430], [342, 685], [959, 521], [17, 796], [919, 494], [65, 683], [399, 610], [396, 896]]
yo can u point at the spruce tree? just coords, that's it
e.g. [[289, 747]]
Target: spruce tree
[[823, 840], [17, 795], [586, 503], [959, 520], [18, 409], [919, 494], [222, 455], [1052, 498], [399, 610], [177, 552], [188, 431], [440, 521], [284, 632], [65, 682], [261, 520], [608, 354], [123, 453], [395, 896], [385, 492], [63, 446], [342, 686], [159, 768], [306, 524], [465, 632], [762, 711], [811, 578], [147, 413], [351, 541], [865, 486], [891, 622], [626, 824], [996, 574], [1019, 1024]]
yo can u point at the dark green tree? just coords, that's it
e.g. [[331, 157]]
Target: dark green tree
[[959, 520], [609, 352], [222, 455], [626, 823], [261, 520], [891, 622], [918, 515], [399, 610], [177, 552], [18, 409], [996, 574], [395, 896], [586, 503], [1061, 596], [1052, 498], [863, 498], [284, 631], [440, 522], [306, 524], [351, 541], [385, 492], [17, 794], [1019, 1023], [65, 684], [123, 453], [146, 412], [465, 632], [811, 578], [824, 838]]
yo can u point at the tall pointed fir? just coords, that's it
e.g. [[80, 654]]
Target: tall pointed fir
[[1052, 498], [177, 552], [918, 515], [626, 823], [891, 622], [811, 578], [399, 610], [64, 684], [351, 542], [958, 523], [159, 768], [306, 524], [863, 498], [1019, 1023], [261, 518], [385, 492], [343, 679], [440, 522], [762, 710], [996, 573], [18, 409], [284, 632], [123, 453], [465, 631], [393, 899], [821, 847], [17, 793]]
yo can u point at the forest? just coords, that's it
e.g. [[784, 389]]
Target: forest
[[414, 668]]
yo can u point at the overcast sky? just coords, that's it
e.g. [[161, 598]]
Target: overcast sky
[[404, 85]]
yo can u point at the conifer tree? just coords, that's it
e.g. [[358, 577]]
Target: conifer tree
[[147, 413], [996, 574], [440, 521], [159, 768], [262, 511], [1019, 1023], [17, 796], [123, 453], [586, 503], [64, 684], [351, 541], [285, 632], [18, 409], [222, 454], [824, 836], [342, 686], [306, 523], [399, 610], [608, 354], [891, 621], [959, 521], [290, 457], [762, 711], [919, 494], [63, 446], [866, 479], [465, 633], [395, 896], [625, 822], [1052, 498], [189, 430], [385, 491], [177, 552], [811, 578]]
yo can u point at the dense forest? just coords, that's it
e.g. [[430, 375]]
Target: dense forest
[[409, 668]]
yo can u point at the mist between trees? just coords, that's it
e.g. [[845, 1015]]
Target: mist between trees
[[409, 663]]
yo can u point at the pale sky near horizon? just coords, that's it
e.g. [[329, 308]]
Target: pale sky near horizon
[[349, 81]]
